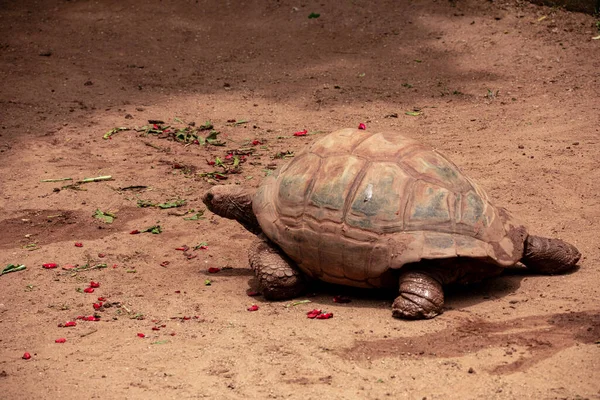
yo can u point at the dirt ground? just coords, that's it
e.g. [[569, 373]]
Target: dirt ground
[[508, 91]]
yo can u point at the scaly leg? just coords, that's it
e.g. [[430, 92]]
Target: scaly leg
[[277, 275], [421, 295]]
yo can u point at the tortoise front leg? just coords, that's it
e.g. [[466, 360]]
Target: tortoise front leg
[[421, 295], [277, 275]]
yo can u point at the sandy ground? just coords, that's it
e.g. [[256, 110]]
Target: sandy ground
[[508, 91]]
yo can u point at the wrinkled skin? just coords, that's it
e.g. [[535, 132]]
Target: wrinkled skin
[[549, 256], [277, 276], [421, 294]]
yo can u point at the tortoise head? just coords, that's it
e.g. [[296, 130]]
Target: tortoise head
[[233, 202], [550, 256]]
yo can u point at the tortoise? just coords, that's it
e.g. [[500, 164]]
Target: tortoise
[[377, 210]]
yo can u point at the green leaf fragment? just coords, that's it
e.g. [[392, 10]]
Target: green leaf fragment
[[160, 342], [296, 303], [207, 282], [172, 204], [196, 216], [212, 139], [313, 15], [212, 135], [87, 267], [145, 203], [284, 154], [201, 245], [104, 216], [134, 187], [154, 229], [206, 126], [97, 179], [57, 180], [108, 134], [413, 113], [12, 268]]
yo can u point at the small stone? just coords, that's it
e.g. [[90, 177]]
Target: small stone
[[128, 116], [45, 53], [471, 370]]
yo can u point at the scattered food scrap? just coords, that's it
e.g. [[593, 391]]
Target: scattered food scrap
[[12, 268], [341, 299], [303, 132], [318, 314], [104, 216]]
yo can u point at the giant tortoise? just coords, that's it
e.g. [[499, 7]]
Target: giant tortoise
[[371, 209]]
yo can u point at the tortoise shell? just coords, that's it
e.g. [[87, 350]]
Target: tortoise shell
[[356, 204]]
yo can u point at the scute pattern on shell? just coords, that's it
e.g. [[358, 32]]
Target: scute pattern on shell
[[355, 204]]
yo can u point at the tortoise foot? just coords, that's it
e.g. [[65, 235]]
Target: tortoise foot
[[278, 277], [421, 296]]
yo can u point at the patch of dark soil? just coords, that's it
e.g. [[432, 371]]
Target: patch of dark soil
[[542, 336], [49, 226]]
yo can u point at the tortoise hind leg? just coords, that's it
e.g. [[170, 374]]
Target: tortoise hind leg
[[421, 295], [277, 275], [549, 256]]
